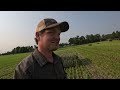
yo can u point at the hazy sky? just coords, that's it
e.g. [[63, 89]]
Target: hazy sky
[[17, 28]]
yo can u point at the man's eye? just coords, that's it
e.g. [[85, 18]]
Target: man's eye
[[50, 32]]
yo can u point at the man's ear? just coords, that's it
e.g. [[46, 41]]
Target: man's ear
[[37, 36]]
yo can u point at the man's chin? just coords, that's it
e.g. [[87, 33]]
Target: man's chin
[[53, 49]]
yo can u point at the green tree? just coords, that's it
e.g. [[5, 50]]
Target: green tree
[[82, 40]]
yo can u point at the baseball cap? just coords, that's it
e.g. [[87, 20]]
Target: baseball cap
[[49, 23]]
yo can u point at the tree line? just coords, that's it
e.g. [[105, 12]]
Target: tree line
[[79, 40], [19, 49]]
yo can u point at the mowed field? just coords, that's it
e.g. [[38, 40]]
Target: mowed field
[[8, 64], [96, 61]]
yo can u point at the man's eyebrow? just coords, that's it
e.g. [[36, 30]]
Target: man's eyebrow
[[50, 31]]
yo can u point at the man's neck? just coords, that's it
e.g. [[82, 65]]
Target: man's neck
[[47, 54]]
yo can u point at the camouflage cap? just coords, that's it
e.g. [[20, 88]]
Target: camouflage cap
[[49, 23]]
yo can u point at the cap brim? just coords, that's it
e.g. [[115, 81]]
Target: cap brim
[[64, 26]]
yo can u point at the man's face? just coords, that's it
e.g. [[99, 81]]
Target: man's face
[[50, 39]]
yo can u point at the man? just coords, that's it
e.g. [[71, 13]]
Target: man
[[43, 63]]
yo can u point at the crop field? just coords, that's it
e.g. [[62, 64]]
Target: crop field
[[8, 64], [100, 60], [96, 61]]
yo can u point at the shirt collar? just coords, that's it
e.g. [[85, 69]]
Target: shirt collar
[[41, 59]]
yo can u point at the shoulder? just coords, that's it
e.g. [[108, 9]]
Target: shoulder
[[26, 63]]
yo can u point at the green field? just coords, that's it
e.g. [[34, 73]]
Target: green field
[[8, 64], [96, 61]]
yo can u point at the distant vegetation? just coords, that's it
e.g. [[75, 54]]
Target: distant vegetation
[[78, 40], [19, 50]]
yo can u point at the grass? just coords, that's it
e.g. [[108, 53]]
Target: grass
[[8, 64], [104, 57], [98, 61]]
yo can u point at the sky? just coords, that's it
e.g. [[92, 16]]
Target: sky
[[17, 28]]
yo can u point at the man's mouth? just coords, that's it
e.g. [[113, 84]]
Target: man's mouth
[[55, 42]]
